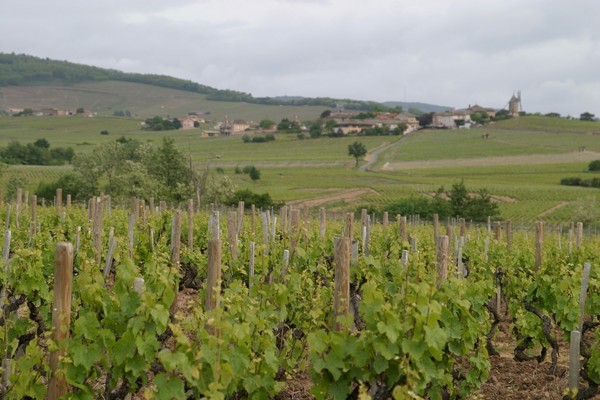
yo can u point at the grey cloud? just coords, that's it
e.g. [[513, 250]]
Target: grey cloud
[[452, 52]]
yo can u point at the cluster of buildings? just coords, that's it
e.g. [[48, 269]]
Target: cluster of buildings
[[348, 123], [343, 122], [52, 112], [453, 119], [191, 121]]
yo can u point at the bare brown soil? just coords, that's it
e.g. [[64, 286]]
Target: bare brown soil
[[346, 195], [551, 210]]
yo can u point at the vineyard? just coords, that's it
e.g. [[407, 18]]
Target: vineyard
[[155, 302]]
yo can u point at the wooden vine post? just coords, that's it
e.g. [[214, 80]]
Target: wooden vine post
[[294, 230], [142, 204], [436, 227], [403, 233], [450, 235], [232, 233], [251, 265], [61, 315], [539, 244], [508, 235], [33, 215], [138, 285], [240, 217], [571, 232], [213, 278], [341, 300], [5, 259], [58, 201], [575, 341], [98, 226], [574, 346], [112, 245], [130, 234], [322, 223], [176, 238], [19, 206], [265, 231], [305, 224], [386, 220], [497, 231], [463, 227], [253, 220], [442, 259], [348, 232], [579, 235], [283, 221], [190, 221], [583, 293]]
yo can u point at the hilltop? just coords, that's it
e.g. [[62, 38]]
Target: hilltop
[[28, 81]]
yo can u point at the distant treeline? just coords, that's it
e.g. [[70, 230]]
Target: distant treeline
[[36, 153], [21, 69], [592, 182]]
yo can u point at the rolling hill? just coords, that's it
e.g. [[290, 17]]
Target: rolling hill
[[32, 82]]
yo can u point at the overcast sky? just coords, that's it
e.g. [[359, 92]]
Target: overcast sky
[[446, 52]]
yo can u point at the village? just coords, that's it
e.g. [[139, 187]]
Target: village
[[339, 121]]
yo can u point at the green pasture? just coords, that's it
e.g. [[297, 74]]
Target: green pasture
[[546, 124], [296, 170], [468, 143]]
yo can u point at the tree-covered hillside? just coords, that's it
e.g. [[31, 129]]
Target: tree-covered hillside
[[21, 69]]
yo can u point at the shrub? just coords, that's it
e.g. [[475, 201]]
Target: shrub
[[263, 200], [457, 202], [594, 166]]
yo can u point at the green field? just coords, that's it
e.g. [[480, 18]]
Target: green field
[[521, 163]]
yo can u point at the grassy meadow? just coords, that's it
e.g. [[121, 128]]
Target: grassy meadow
[[521, 163]]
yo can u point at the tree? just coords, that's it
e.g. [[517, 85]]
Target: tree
[[330, 125], [552, 115], [42, 143], [266, 124], [594, 166], [586, 116], [480, 117], [262, 201], [502, 115], [254, 174], [172, 170], [252, 171], [315, 130], [459, 198], [357, 150], [325, 113], [425, 119], [126, 168], [14, 183]]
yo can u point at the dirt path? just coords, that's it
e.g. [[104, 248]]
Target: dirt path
[[374, 155], [346, 195], [534, 159], [551, 210]]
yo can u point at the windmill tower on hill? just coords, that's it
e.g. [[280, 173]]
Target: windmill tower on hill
[[514, 105]]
